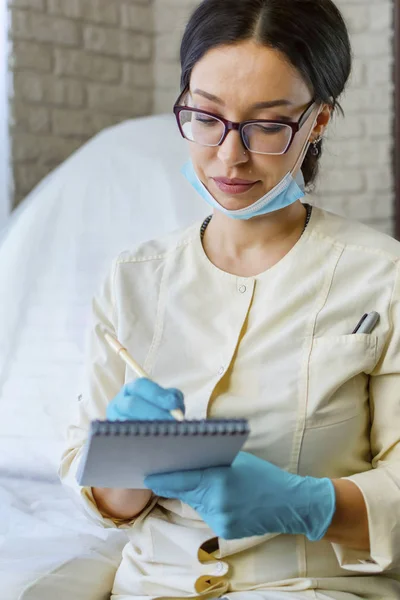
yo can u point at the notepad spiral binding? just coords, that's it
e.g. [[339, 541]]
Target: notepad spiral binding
[[170, 428]]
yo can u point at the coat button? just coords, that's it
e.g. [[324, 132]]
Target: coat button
[[242, 289], [221, 371]]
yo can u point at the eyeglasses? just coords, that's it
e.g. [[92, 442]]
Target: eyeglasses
[[260, 137]]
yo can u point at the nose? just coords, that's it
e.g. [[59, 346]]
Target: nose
[[233, 152]]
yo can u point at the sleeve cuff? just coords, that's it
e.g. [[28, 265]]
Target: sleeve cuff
[[381, 490], [83, 497], [93, 512]]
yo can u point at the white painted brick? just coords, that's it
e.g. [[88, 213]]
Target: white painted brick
[[358, 73], [356, 17], [369, 208], [138, 75], [167, 75], [352, 127], [28, 175], [379, 126], [342, 3], [379, 71], [380, 180], [30, 55], [167, 47], [160, 5], [30, 118], [137, 17], [383, 205], [164, 101], [350, 180], [371, 44], [383, 225], [115, 42], [119, 101], [86, 123], [33, 4], [381, 16], [375, 99], [357, 154], [357, 207], [169, 17], [37, 87], [77, 63], [100, 121], [98, 11], [44, 28], [50, 150], [70, 123]]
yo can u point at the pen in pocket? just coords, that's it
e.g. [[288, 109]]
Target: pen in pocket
[[367, 323]]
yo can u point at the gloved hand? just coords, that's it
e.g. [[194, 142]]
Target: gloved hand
[[252, 497], [144, 400]]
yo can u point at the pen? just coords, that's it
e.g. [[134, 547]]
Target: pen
[[368, 323], [127, 358]]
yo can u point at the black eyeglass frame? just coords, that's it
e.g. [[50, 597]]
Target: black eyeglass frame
[[232, 126]]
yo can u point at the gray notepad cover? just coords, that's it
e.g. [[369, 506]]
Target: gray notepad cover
[[117, 458]]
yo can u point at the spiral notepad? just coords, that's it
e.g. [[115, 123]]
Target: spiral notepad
[[121, 454]]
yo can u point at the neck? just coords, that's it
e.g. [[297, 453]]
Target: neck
[[235, 238]]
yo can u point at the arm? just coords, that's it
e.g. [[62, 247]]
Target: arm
[[380, 486], [122, 505], [349, 526]]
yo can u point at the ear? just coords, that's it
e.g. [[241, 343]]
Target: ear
[[323, 120]]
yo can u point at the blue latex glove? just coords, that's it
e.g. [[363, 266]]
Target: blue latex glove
[[252, 497], [144, 400]]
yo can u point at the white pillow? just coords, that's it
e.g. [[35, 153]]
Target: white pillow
[[120, 189]]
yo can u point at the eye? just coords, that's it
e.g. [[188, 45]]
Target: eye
[[270, 128], [204, 120]]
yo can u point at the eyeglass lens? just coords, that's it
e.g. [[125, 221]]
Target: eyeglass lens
[[265, 138]]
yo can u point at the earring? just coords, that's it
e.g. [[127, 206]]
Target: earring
[[315, 149]]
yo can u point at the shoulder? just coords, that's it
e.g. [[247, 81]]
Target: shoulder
[[159, 249], [355, 237]]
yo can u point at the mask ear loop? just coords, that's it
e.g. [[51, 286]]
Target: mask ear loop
[[306, 146]]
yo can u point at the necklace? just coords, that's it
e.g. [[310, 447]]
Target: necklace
[[208, 219]]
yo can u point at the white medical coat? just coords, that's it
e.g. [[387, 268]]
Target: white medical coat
[[276, 349]]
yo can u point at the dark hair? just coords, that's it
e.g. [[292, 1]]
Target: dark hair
[[312, 35]]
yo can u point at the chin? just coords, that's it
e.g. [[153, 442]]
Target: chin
[[234, 203]]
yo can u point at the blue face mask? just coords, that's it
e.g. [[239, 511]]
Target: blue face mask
[[285, 193]]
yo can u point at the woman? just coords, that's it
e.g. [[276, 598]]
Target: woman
[[251, 315]]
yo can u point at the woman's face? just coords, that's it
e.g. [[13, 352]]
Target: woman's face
[[238, 77]]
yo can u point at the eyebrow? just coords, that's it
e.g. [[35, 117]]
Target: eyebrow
[[258, 105]]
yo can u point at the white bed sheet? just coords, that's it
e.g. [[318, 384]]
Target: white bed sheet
[[41, 530]]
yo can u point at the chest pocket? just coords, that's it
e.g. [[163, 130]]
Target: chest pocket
[[339, 371]]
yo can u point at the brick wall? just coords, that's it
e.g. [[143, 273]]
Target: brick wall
[[80, 65], [356, 175]]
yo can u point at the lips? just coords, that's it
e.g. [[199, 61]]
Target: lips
[[234, 186], [227, 181]]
